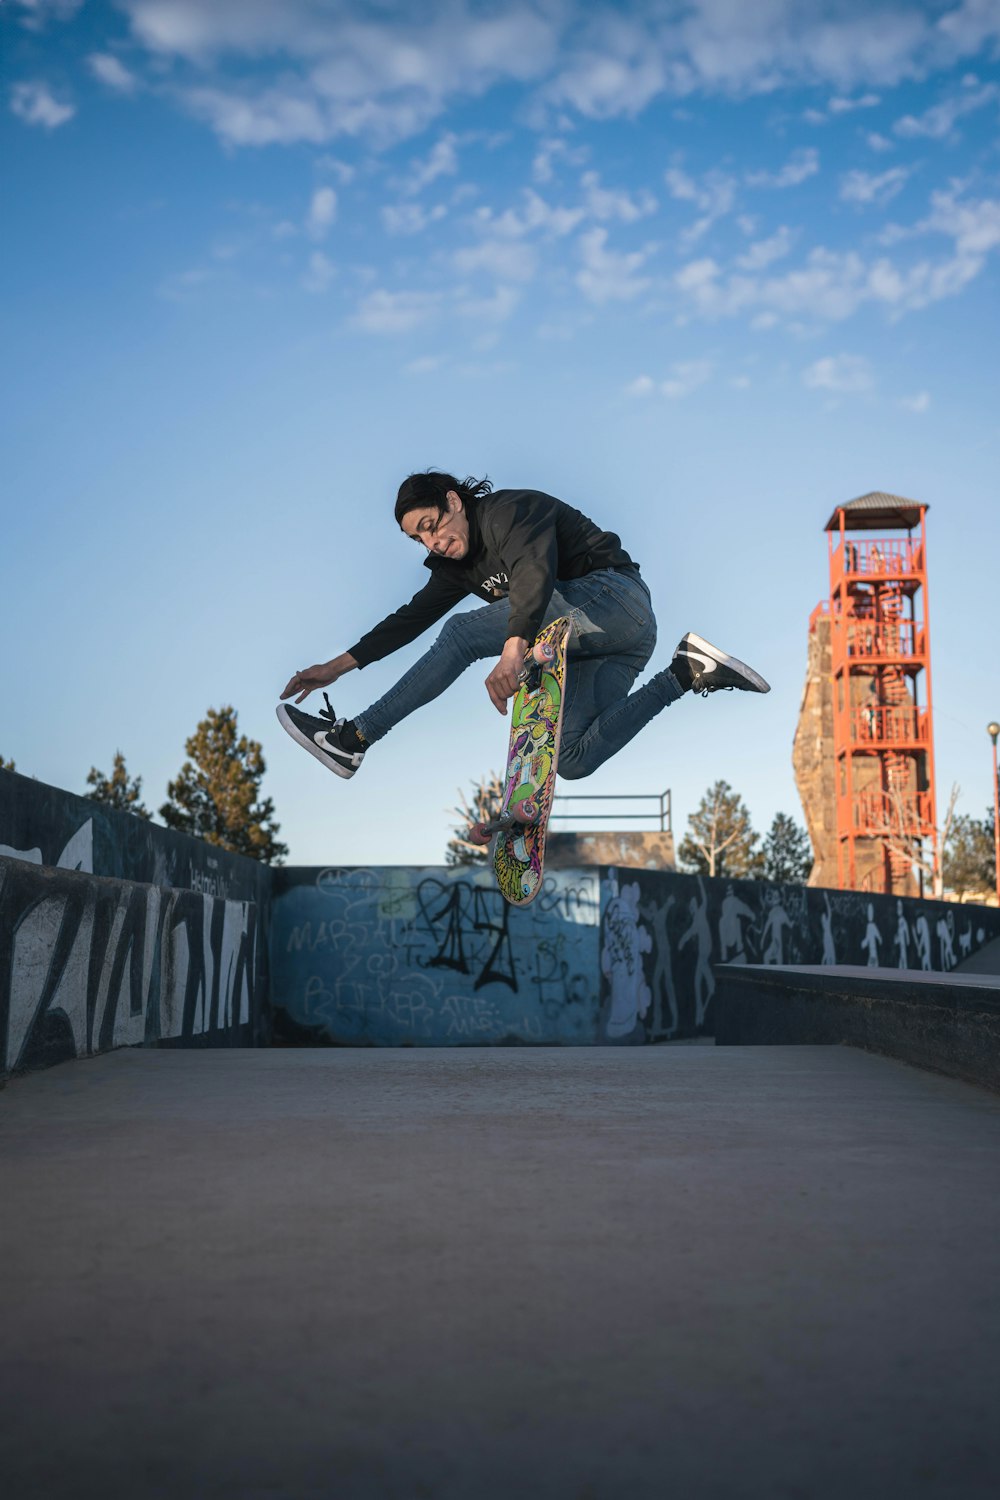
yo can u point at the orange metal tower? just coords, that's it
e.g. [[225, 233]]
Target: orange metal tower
[[883, 740]]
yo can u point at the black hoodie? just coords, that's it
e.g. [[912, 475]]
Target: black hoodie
[[520, 543]]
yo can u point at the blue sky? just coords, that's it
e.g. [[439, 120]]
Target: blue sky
[[701, 270]]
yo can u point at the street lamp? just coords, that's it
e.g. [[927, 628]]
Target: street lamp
[[993, 730]]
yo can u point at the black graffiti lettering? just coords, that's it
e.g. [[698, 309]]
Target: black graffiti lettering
[[451, 952], [482, 921]]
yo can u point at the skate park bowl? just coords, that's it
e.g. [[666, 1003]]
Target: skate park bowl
[[114, 931], [348, 1182]]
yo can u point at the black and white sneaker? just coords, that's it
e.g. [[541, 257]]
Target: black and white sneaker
[[333, 741], [703, 668]]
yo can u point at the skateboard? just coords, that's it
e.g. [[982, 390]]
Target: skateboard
[[518, 831]]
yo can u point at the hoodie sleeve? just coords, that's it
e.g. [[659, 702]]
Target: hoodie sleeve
[[523, 533], [438, 595]]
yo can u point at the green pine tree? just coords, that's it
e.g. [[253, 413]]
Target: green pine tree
[[720, 839], [786, 852], [217, 798], [117, 791], [7, 765], [487, 799], [970, 856]]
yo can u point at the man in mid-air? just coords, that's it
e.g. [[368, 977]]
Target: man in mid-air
[[532, 558]]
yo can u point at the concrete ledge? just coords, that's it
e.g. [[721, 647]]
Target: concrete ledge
[[89, 963], [948, 1023]]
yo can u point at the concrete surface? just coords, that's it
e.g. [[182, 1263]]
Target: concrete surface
[[490, 1274], [986, 961], [949, 1023]]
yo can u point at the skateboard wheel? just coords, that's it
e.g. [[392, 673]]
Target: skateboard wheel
[[543, 652], [479, 834], [526, 811]]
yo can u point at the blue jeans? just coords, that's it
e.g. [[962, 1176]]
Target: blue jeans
[[613, 636]]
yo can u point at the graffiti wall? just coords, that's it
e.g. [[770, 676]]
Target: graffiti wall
[[88, 964], [662, 936], [391, 956], [50, 828], [46, 826], [433, 957]]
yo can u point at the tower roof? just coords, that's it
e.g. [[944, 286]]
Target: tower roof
[[873, 511]]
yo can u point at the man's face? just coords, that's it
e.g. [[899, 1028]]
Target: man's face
[[445, 534]]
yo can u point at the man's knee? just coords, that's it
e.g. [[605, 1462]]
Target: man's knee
[[464, 636], [450, 631], [456, 637], [569, 767]]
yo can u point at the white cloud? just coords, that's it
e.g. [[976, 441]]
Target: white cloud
[[940, 120], [410, 218], [801, 165], [507, 260], [319, 274], [536, 214], [604, 203], [388, 312], [288, 70], [844, 374], [869, 187], [878, 142], [722, 47], [425, 365], [616, 69], [35, 104], [322, 212], [441, 162], [276, 116], [971, 24], [496, 308], [841, 106], [757, 48], [918, 403], [555, 150], [342, 70], [713, 195], [181, 286], [686, 377], [607, 275], [112, 73], [342, 170], [829, 287], [763, 252], [974, 225], [832, 285], [35, 13], [698, 277]]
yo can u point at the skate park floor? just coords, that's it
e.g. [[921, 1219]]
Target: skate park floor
[[481, 1274]]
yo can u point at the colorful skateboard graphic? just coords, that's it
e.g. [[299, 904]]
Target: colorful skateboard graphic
[[519, 830]]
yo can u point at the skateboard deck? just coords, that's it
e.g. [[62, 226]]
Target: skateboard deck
[[520, 829]]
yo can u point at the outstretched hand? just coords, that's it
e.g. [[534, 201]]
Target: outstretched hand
[[504, 680], [319, 676]]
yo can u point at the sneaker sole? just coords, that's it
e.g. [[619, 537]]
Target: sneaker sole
[[732, 662], [324, 759]]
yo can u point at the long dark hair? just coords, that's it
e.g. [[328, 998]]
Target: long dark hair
[[431, 488]]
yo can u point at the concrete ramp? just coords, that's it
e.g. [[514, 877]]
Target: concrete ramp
[[485, 1273], [986, 961]]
